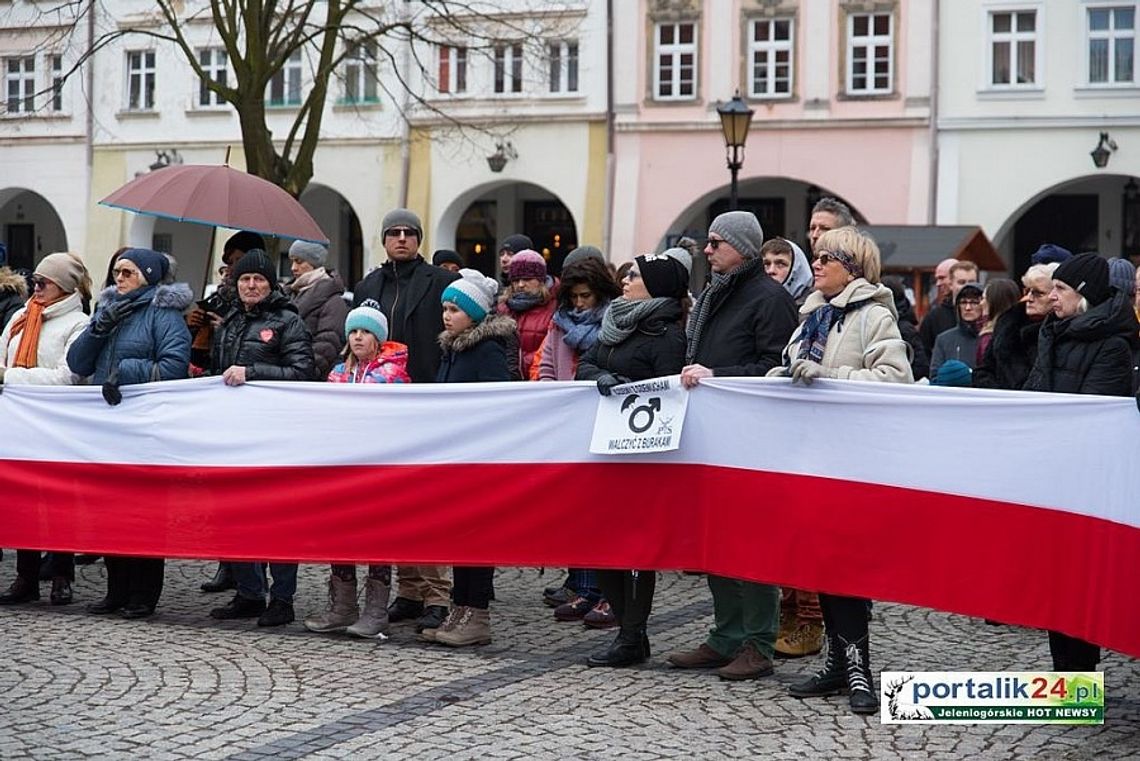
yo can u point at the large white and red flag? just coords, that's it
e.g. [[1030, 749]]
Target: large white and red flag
[[1015, 506]]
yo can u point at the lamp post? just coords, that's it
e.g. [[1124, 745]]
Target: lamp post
[[735, 118]]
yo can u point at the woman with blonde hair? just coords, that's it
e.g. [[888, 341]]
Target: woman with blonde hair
[[33, 351], [849, 332], [1009, 355]]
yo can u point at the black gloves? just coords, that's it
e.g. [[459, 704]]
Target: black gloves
[[110, 316], [111, 393], [607, 381]]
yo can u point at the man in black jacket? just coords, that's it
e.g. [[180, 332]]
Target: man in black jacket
[[408, 290], [738, 326]]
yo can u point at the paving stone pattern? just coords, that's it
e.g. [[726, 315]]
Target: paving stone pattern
[[182, 686]]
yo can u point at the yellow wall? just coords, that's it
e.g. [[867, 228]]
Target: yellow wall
[[106, 227], [594, 217], [419, 183]]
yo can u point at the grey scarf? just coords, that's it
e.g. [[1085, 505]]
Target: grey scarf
[[710, 297], [622, 316]]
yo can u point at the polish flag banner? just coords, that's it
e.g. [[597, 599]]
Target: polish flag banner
[[1020, 507]]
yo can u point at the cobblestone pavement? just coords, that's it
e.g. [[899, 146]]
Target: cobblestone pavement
[[184, 686]]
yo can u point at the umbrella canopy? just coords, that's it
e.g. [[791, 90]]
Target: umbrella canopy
[[218, 196]]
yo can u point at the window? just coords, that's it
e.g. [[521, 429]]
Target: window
[[56, 62], [770, 53], [140, 80], [20, 79], [1112, 45], [452, 69], [870, 53], [1013, 48], [213, 63], [675, 71], [563, 59], [360, 80], [285, 87], [508, 68]]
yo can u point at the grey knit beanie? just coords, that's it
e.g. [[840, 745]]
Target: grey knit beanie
[[742, 231], [313, 253], [402, 218], [682, 255], [583, 252]]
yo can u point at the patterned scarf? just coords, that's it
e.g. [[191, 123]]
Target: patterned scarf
[[581, 328], [813, 337], [622, 316], [710, 297], [29, 324]]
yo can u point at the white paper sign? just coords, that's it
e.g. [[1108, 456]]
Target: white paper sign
[[637, 418]]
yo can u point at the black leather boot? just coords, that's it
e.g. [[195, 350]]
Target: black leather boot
[[860, 680], [830, 680], [223, 580], [22, 590], [629, 648]]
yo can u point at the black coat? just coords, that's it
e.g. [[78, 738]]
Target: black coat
[[270, 341], [478, 354], [1011, 353], [409, 296], [907, 322], [939, 319], [656, 348], [747, 327], [1090, 353]]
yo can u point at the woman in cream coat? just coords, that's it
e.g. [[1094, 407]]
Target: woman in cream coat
[[33, 350], [849, 332]]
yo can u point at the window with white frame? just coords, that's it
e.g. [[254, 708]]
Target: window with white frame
[[140, 80], [361, 84], [285, 86], [675, 61], [508, 68], [562, 56], [20, 84], [770, 58], [213, 63], [452, 76], [870, 53], [1111, 33], [1013, 48], [55, 63]]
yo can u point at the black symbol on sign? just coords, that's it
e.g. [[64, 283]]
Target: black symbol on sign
[[642, 416]]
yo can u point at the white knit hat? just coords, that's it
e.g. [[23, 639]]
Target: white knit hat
[[473, 292]]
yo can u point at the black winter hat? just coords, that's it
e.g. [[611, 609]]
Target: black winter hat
[[664, 276], [243, 241], [446, 255], [515, 243], [1087, 274], [255, 261]]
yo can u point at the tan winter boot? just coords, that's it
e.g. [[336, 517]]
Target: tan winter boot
[[805, 639], [342, 609], [453, 616], [472, 628], [373, 621]]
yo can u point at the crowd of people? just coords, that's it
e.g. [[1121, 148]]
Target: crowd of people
[[769, 309]]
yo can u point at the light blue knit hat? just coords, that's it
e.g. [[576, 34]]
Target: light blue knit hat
[[367, 317], [473, 292]]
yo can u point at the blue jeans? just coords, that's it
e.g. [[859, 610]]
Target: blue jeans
[[251, 582], [584, 581]]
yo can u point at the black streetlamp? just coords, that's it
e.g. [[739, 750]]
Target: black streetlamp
[[735, 118]]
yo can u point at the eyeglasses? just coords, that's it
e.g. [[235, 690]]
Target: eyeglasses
[[970, 302], [714, 243], [396, 232], [633, 275], [1034, 293], [125, 272], [39, 283]]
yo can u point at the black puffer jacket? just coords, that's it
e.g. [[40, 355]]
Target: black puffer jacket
[[270, 341], [919, 358], [323, 309], [1090, 353], [478, 354], [655, 349], [1011, 353], [747, 327]]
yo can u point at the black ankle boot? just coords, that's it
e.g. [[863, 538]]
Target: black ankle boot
[[22, 590], [631, 647], [860, 680], [223, 580], [830, 680]]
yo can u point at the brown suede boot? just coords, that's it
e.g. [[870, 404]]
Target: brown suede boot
[[703, 657], [748, 664], [806, 638], [472, 628]]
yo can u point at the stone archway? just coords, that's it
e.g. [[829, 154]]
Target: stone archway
[[30, 227], [335, 215]]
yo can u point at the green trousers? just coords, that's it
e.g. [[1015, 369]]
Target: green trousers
[[743, 611]]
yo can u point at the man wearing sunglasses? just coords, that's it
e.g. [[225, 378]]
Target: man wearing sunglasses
[[738, 326], [408, 290]]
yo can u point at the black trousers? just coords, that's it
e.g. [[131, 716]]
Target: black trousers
[[844, 616], [134, 581], [631, 600], [1072, 654], [473, 586], [28, 565]]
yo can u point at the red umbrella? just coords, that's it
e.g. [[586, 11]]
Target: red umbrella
[[218, 196]]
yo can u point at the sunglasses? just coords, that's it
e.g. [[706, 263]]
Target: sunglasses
[[125, 272], [827, 257], [714, 243], [39, 283], [396, 232], [633, 275]]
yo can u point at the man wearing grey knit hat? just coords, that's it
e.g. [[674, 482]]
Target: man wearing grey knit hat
[[739, 326]]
